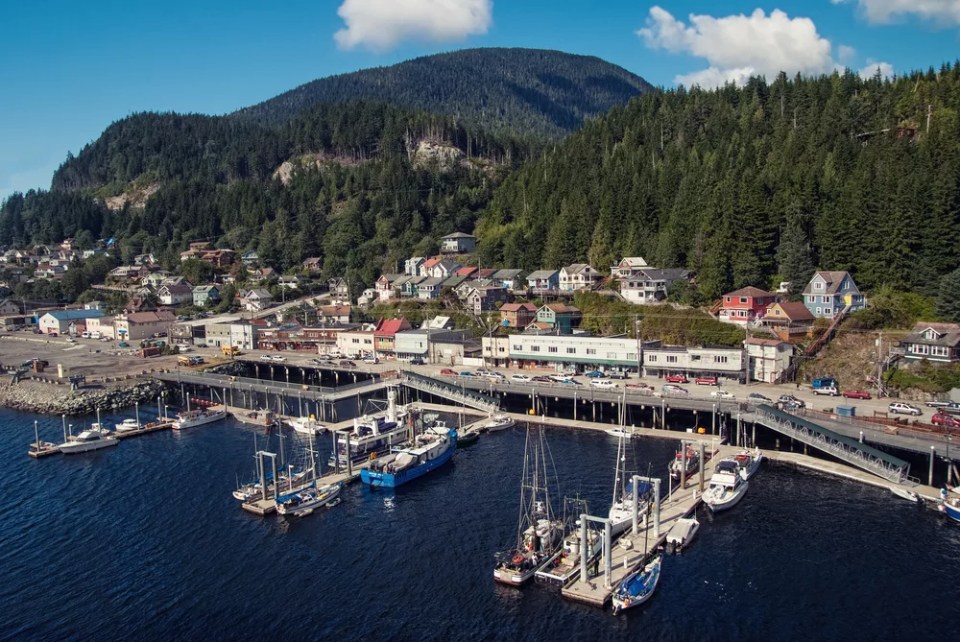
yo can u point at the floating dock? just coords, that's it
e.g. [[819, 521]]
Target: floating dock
[[44, 449]]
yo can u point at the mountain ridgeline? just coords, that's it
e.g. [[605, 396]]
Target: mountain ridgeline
[[746, 186], [537, 92]]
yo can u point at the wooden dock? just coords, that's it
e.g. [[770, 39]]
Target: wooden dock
[[45, 449], [268, 506], [629, 551]]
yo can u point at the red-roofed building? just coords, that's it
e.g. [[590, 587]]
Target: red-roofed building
[[427, 266], [746, 305], [384, 335], [466, 271]]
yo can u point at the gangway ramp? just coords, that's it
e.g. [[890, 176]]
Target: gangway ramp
[[451, 392], [843, 448]]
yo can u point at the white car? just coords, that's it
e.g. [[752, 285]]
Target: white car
[[602, 383], [723, 394], [829, 390], [519, 378], [900, 408], [278, 358]]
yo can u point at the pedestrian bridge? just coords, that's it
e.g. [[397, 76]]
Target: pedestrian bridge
[[844, 448], [451, 392]]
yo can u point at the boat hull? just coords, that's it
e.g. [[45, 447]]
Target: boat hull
[[193, 422], [324, 497], [379, 479], [727, 501], [74, 447], [637, 588], [951, 511]]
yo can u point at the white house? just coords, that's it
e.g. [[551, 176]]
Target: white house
[[578, 276], [650, 285], [256, 300], [176, 294], [628, 267], [768, 358]]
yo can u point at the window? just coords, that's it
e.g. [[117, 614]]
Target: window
[[743, 299], [819, 310], [631, 356], [651, 358], [695, 357], [671, 358], [611, 355], [938, 351], [591, 351], [535, 348], [827, 311], [921, 349], [818, 285], [719, 359], [552, 349]]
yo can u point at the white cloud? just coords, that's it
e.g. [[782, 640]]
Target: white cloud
[[738, 46], [939, 12], [886, 70], [845, 54], [381, 24]]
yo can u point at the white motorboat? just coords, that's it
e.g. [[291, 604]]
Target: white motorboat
[[193, 418], [619, 432], [262, 418], [906, 494], [498, 422], [539, 534], [682, 533], [727, 486], [306, 425], [127, 425], [684, 464], [95, 438], [749, 462]]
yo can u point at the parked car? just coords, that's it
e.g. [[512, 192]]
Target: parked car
[[677, 378], [618, 374], [602, 383], [593, 374], [706, 381], [448, 372], [542, 379], [757, 396], [670, 389], [723, 394], [570, 382], [417, 361], [561, 378], [519, 378], [466, 374], [901, 408], [790, 399], [856, 394], [943, 419], [371, 358], [639, 386], [833, 392], [346, 363], [123, 344]]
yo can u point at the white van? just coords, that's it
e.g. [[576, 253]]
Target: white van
[[96, 334], [84, 335]]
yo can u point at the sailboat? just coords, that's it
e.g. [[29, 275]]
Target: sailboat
[[303, 501], [564, 565], [539, 533], [621, 508]]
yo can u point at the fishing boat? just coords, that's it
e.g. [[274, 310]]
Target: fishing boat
[[498, 422], [306, 425], [950, 507], [261, 418], [564, 565], [371, 435], [539, 533], [637, 587], [193, 418], [749, 462], [94, 438], [622, 505], [727, 486], [684, 464], [682, 533], [906, 494], [127, 425], [431, 449]]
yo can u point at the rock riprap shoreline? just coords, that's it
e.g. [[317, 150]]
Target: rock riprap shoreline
[[45, 397]]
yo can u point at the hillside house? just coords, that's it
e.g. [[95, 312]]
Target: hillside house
[[457, 243], [829, 293], [443, 269], [790, 317], [484, 298], [175, 294], [746, 305], [411, 267], [558, 316], [541, 281], [628, 267], [649, 285], [313, 265], [510, 278], [429, 288], [206, 295], [935, 342], [384, 286], [339, 288], [334, 314], [578, 276], [256, 300], [517, 315]]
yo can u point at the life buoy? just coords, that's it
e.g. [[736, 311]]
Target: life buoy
[[517, 558]]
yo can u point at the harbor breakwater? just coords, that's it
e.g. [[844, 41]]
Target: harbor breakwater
[[47, 397]]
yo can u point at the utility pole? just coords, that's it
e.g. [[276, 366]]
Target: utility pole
[[636, 325]]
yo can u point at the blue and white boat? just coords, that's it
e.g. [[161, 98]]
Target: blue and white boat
[[429, 450], [638, 587], [950, 506]]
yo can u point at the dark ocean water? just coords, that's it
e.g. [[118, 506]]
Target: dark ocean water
[[144, 541]]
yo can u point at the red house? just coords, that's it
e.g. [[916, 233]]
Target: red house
[[746, 305], [384, 335]]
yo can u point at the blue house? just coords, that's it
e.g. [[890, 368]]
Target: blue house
[[543, 280], [829, 293]]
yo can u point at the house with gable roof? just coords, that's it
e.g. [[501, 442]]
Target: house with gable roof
[[457, 243], [830, 293], [578, 276], [936, 342]]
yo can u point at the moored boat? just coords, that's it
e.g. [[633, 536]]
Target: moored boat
[[637, 587], [539, 534], [749, 462], [951, 508], [684, 464], [906, 494], [193, 418], [95, 438], [498, 422], [468, 437], [682, 533], [727, 486], [429, 450], [261, 418], [127, 425], [306, 425], [622, 505], [564, 565], [304, 501]]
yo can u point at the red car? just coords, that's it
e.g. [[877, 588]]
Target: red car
[[677, 378], [856, 394], [706, 381], [448, 372], [943, 419]]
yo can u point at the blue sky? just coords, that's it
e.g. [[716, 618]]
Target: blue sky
[[68, 69]]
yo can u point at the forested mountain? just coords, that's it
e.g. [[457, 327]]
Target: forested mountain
[[519, 90], [744, 185], [361, 191]]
